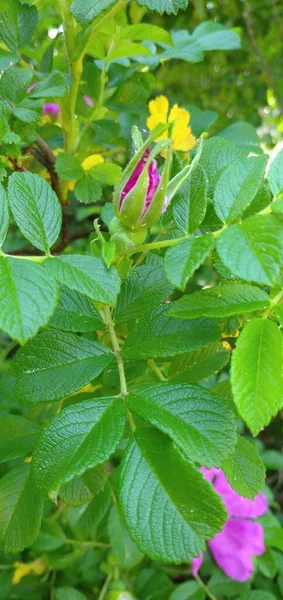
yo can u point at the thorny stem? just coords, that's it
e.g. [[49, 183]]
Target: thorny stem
[[205, 588], [107, 318]]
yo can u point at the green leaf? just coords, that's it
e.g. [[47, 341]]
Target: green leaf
[[128, 50], [267, 565], [68, 593], [36, 209], [87, 275], [237, 186], [278, 310], [107, 173], [14, 83], [256, 373], [18, 22], [275, 175], [68, 168], [214, 36], [87, 190], [169, 509], [145, 288], [84, 519], [189, 204], [81, 489], [7, 59], [164, 6], [200, 120], [221, 584], [17, 436], [182, 260], [184, 48], [174, 408], [55, 364], [258, 595], [85, 11], [216, 155], [244, 469], [146, 31], [52, 86], [21, 508], [75, 312], [189, 590], [28, 297], [253, 249], [28, 110], [4, 215], [220, 301], [125, 550], [80, 437], [244, 136], [157, 335], [199, 364]]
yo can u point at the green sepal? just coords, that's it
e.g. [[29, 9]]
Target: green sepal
[[179, 179]]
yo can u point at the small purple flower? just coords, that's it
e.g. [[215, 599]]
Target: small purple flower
[[52, 109], [153, 183], [240, 539], [88, 101]]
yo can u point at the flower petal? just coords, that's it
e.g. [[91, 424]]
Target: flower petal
[[51, 108], [196, 564], [235, 546], [92, 161], [158, 109]]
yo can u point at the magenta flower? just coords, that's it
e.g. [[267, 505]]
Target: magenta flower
[[88, 101], [240, 539], [153, 183], [52, 109]]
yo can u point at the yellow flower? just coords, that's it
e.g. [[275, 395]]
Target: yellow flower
[[182, 136], [36, 567], [92, 161]]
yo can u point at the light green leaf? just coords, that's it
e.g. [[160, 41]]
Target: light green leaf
[[18, 22], [167, 6], [4, 215], [87, 275], [189, 590], [68, 593], [127, 553], [169, 509], [107, 173], [68, 168], [279, 313], [256, 373], [220, 301], [87, 190], [184, 48], [14, 83], [216, 155], [128, 50], [146, 31], [157, 335], [275, 175], [80, 437], [175, 408], [144, 289], [28, 297], [253, 249], [85, 11], [21, 508], [244, 469], [17, 436], [182, 260], [189, 204], [28, 110], [199, 364], [257, 595], [53, 86], [214, 36], [244, 136], [81, 489], [36, 209], [54, 365], [7, 59], [75, 312], [237, 186]]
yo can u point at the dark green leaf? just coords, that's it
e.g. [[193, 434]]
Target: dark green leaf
[[75, 312], [54, 365], [183, 259], [190, 590], [81, 489], [28, 110], [244, 469], [21, 510], [84, 519], [167, 6], [68, 168], [189, 204], [36, 209], [68, 593], [18, 22], [175, 409], [87, 275], [199, 364], [275, 175], [4, 215], [80, 437], [169, 508], [256, 373], [17, 436], [52, 86], [217, 154], [85, 11], [127, 553]]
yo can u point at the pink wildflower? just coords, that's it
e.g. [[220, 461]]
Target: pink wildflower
[[88, 101], [240, 539], [52, 109], [153, 183]]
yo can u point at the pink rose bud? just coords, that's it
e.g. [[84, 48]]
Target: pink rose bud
[[52, 109]]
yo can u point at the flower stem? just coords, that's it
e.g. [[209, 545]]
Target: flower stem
[[105, 587], [156, 370], [107, 318], [205, 588], [273, 303], [157, 245]]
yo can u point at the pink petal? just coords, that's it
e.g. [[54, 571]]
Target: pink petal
[[236, 505], [88, 101], [235, 546], [31, 87], [196, 564], [154, 179], [52, 109]]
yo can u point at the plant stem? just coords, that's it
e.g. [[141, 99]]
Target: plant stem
[[156, 370], [273, 303], [157, 245], [105, 587], [205, 588], [38, 259], [107, 318], [88, 543]]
